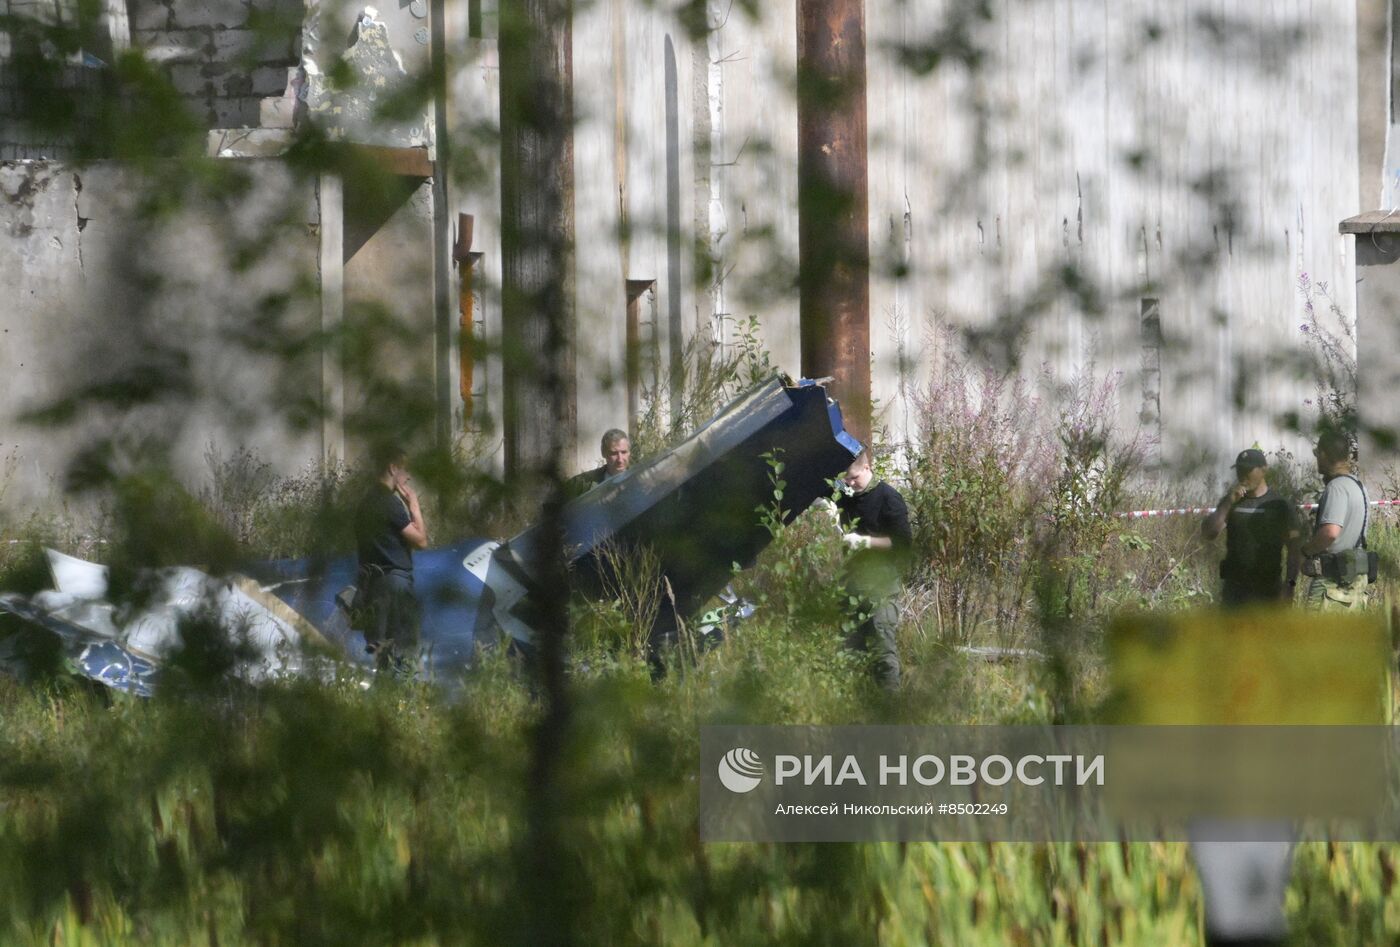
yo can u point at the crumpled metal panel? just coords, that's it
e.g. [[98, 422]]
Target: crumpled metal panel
[[697, 507], [122, 646]]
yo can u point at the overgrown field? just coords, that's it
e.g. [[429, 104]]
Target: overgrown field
[[307, 814]]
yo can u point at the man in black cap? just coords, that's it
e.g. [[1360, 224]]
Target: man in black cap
[[1338, 564], [1259, 525]]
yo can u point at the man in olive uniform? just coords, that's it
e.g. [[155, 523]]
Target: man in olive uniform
[[1336, 559], [1259, 524], [876, 521]]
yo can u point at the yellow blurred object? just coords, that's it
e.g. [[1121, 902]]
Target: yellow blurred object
[[1270, 665]]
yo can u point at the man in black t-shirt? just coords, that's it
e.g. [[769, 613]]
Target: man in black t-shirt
[[388, 527], [876, 521], [1259, 525]]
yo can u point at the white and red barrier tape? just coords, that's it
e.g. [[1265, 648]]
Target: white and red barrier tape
[[1130, 515], [1203, 510]]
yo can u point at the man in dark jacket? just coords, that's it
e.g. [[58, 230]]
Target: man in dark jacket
[[388, 527], [1259, 525], [876, 521], [617, 455]]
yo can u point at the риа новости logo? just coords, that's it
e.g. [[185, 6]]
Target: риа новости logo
[[740, 770]]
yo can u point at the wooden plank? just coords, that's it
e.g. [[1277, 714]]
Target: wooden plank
[[1373, 221]]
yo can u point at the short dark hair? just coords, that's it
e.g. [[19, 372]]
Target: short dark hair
[[612, 436], [383, 456], [1335, 444]]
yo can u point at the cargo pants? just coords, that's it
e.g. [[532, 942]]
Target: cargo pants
[[876, 635], [1329, 595]]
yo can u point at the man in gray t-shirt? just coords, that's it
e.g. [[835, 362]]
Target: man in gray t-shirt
[[1339, 526], [1343, 505]]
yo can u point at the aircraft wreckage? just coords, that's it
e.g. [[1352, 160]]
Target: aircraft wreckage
[[694, 506]]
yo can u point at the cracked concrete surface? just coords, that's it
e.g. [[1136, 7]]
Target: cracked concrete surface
[[361, 111], [95, 292]]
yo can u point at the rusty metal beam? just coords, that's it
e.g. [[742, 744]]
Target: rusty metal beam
[[833, 203], [537, 235]]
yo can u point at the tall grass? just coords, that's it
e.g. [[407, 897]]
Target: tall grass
[[272, 515], [1012, 485], [709, 374], [307, 814], [311, 814]]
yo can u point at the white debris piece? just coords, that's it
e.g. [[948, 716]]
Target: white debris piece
[[178, 596]]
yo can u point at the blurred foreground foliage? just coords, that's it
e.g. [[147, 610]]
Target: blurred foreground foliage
[[307, 814], [322, 814]]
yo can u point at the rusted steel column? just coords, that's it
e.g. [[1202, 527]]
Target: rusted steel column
[[537, 235], [833, 203], [465, 258]]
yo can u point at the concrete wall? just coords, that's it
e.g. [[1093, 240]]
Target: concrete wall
[[1192, 156], [210, 286], [103, 297], [216, 296], [1373, 68], [1378, 363], [224, 56], [20, 139], [388, 297], [1197, 154]]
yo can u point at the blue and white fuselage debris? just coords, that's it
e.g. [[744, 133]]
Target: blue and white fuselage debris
[[694, 506], [123, 644]]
